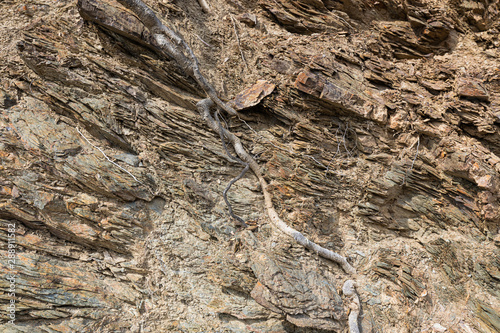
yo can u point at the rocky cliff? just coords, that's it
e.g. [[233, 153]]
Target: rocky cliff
[[375, 123]]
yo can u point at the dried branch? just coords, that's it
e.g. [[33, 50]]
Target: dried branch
[[106, 156], [238, 40]]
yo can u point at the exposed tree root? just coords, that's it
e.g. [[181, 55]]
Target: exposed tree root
[[174, 46], [224, 193], [355, 306], [204, 5], [204, 109]]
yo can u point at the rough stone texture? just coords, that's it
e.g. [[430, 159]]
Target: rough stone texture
[[376, 124], [252, 96]]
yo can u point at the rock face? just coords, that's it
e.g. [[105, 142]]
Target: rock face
[[376, 123]]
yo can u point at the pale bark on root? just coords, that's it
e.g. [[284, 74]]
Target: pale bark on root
[[204, 109], [349, 290], [175, 46], [204, 5]]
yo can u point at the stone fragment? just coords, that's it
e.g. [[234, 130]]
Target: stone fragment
[[473, 89], [239, 306], [6, 100], [249, 19], [435, 86], [484, 181], [130, 159], [436, 32], [253, 95], [416, 22], [488, 314], [262, 295], [373, 107], [308, 83], [44, 284], [438, 328], [285, 19], [281, 66], [391, 266], [229, 274], [402, 39]]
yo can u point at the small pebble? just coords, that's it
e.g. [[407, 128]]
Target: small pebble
[[438, 328]]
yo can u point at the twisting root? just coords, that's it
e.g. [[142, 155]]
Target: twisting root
[[176, 47], [348, 290], [204, 109], [224, 193]]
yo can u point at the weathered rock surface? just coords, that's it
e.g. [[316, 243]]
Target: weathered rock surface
[[376, 124]]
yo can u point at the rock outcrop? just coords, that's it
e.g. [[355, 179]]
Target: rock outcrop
[[376, 124]]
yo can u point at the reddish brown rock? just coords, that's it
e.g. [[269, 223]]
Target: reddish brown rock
[[473, 89], [436, 86], [309, 83], [252, 96]]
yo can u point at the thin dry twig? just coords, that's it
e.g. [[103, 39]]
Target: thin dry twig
[[343, 140], [106, 156], [336, 153], [342, 19], [409, 169], [266, 139], [238, 40], [210, 46], [315, 160]]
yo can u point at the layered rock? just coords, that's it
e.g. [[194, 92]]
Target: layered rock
[[375, 123]]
